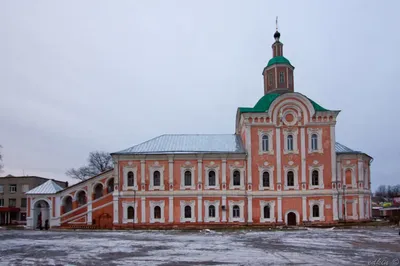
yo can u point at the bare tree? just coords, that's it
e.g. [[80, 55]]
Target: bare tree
[[98, 162], [381, 191]]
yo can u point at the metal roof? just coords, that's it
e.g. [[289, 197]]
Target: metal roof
[[340, 148], [188, 143], [49, 187]]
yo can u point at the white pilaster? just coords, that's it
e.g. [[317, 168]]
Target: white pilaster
[[223, 174], [335, 207], [143, 173], [360, 172], [361, 206], [333, 153], [250, 209], [278, 158], [303, 156], [338, 172], [199, 208], [115, 208], [340, 207], [199, 171], [280, 209], [304, 206], [143, 207], [248, 147], [171, 173], [226, 208], [171, 210]]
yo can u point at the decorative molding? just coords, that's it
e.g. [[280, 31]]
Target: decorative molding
[[320, 170], [297, 216], [156, 167], [211, 167], [321, 205], [184, 168], [294, 133], [241, 169], [318, 132], [270, 134], [192, 204], [125, 206], [207, 204], [125, 171], [154, 204], [295, 170], [240, 204], [352, 168], [271, 205], [270, 170]]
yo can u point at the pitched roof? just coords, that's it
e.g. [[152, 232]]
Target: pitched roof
[[188, 143], [49, 187], [340, 148]]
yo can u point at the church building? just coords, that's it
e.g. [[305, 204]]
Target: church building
[[281, 166]]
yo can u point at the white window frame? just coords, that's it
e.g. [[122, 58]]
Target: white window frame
[[192, 204], [270, 170], [241, 208], [352, 168], [320, 170], [152, 169], [126, 170], [1, 202], [270, 134], [207, 204], [1, 188], [294, 133], [207, 169], [318, 132], [232, 169], [271, 205], [12, 186], [321, 205], [154, 204], [125, 206], [183, 170], [295, 170], [25, 188]]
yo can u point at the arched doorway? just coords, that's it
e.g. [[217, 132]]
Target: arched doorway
[[41, 214], [291, 218]]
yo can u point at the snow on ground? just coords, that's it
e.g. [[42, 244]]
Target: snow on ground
[[245, 247]]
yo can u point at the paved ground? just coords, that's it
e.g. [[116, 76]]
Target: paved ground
[[306, 247]]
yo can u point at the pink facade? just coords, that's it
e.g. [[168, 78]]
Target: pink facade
[[282, 166]]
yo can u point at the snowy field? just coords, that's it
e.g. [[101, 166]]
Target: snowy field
[[245, 247]]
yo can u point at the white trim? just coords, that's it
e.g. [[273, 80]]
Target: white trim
[[207, 169], [304, 208], [352, 168], [154, 204], [271, 218], [143, 207], [270, 170], [297, 216], [223, 174], [294, 133], [126, 170], [152, 169], [278, 159], [233, 168], [303, 158], [320, 170], [241, 209], [321, 205], [171, 209], [171, 174], [199, 209], [269, 133], [125, 206], [295, 170], [187, 167], [318, 132], [361, 206], [192, 204], [207, 204], [333, 154]]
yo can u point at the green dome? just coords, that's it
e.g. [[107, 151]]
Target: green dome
[[279, 60], [265, 102]]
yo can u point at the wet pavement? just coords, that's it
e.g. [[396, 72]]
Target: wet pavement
[[372, 246]]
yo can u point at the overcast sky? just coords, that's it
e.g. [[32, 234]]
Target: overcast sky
[[78, 76]]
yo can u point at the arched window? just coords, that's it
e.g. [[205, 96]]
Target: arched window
[[236, 211], [188, 212], [236, 178], [157, 212], [211, 211], [314, 142], [98, 191], [270, 79], [290, 142], [81, 198], [156, 179], [188, 178], [290, 178], [281, 77], [265, 143], [266, 212], [315, 211], [314, 177], [211, 178], [131, 179], [349, 177], [265, 179], [131, 213], [67, 204], [110, 185]]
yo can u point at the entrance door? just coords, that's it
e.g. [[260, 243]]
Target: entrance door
[[291, 218]]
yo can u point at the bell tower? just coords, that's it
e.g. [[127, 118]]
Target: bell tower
[[278, 74]]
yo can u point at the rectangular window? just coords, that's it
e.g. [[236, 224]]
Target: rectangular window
[[1, 189], [281, 77], [270, 80], [25, 188], [290, 143], [23, 203], [1, 202], [13, 188], [12, 202]]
